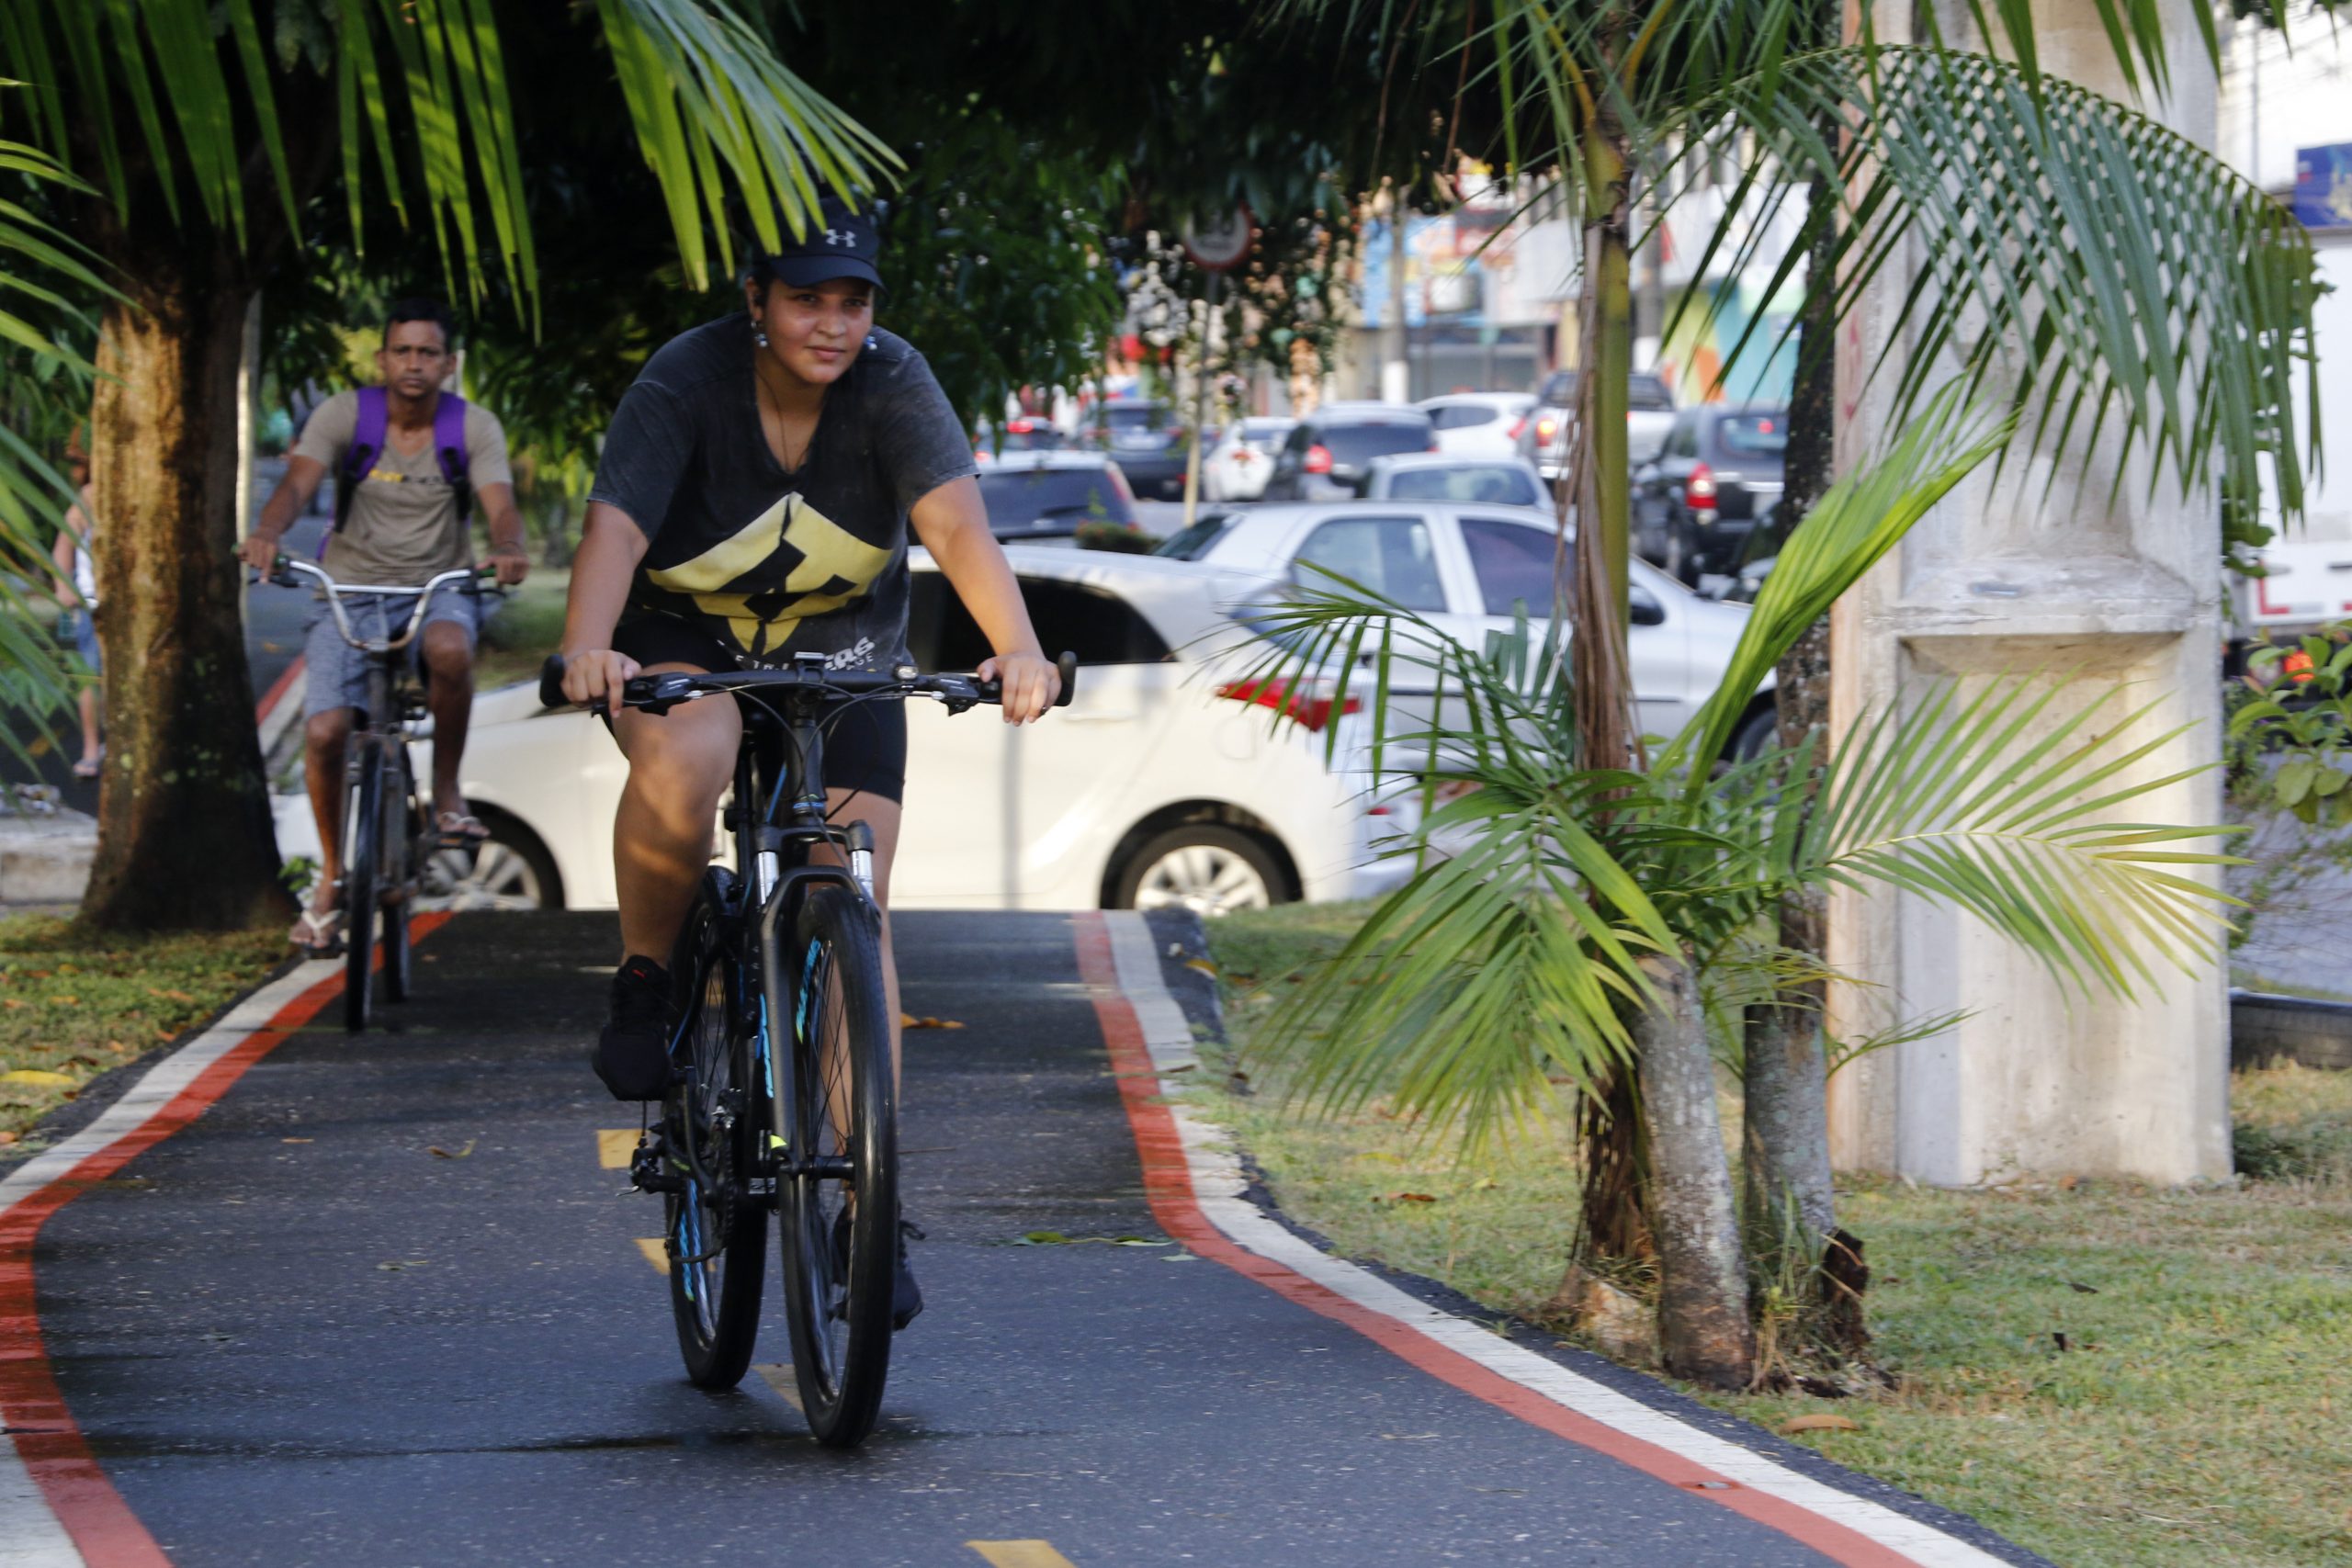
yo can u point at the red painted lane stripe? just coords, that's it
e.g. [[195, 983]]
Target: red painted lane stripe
[[1168, 1184], [33, 1407], [277, 689]]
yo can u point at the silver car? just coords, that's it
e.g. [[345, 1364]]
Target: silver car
[[1440, 476], [1468, 569]]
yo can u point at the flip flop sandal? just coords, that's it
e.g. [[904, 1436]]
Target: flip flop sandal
[[318, 932], [458, 830], [87, 768]]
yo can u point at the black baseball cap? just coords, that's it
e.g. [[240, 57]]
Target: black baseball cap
[[843, 243]]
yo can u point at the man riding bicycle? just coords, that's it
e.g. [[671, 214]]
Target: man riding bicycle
[[753, 503], [411, 463]]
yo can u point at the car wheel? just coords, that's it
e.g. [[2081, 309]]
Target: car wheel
[[1756, 734], [1208, 870], [510, 870]]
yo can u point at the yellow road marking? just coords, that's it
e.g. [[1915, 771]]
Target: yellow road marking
[[613, 1146], [656, 1253], [779, 1378], [1021, 1555]]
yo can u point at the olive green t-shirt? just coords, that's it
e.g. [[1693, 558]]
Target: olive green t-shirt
[[402, 527]]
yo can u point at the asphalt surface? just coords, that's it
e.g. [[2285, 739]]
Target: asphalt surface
[[382, 1305]]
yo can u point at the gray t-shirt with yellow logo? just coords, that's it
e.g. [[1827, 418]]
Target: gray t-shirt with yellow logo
[[775, 562], [402, 527]]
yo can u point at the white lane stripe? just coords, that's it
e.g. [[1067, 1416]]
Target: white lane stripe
[[31, 1535], [1218, 1185]]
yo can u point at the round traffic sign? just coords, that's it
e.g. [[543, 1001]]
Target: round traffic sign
[[1220, 241]]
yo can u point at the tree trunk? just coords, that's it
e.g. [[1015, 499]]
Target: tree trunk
[[185, 837], [1785, 1143], [1703, 1329], [1613, 1224]]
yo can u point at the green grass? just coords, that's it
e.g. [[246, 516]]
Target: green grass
[[72, 1007], [2195, 1417]]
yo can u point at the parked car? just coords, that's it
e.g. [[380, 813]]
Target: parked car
[[1477, 424], [1323, 459], [1541, 437], [1046, 497], [1468, 569], [1436, 476], [1150, 448], [1024, 432], [1164, 783], [1236, 468], [1695, 506]]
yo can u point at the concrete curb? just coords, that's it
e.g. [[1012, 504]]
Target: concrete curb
[[46, 858]]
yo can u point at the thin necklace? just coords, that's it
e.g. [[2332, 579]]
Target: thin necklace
[[783, 436]]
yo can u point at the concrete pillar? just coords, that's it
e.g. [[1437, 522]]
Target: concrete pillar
[[2038, 1080]]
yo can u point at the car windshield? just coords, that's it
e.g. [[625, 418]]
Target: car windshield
[[1356, 444], [1192, 543], [1648, 394], [1017, 498], [1753, 435], [1265, 434], [1491, 484], [1135, 416]]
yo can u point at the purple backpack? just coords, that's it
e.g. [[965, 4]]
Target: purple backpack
[[367, 444]]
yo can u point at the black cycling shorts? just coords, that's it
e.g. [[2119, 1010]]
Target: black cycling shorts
[[866, 744]]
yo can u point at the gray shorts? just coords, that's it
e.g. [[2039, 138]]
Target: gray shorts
[[337, 672]]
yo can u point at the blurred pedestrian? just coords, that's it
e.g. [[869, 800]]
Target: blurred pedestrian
[[76, 586]]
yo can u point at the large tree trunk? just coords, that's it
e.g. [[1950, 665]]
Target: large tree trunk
[[184, 837], [1703, 1329]]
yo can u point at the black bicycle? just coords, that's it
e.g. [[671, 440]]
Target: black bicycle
[[783, 1094], [387, 832]]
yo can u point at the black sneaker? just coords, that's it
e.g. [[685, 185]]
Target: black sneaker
[[906, 1296], [633, 1053]]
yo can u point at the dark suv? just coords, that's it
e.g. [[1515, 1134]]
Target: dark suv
[[1325, 457], [1695, 507], [1149, 448]]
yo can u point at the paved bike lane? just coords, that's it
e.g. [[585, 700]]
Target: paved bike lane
[[384, 1303]]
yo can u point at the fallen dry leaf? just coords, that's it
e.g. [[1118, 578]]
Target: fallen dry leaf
[[909, 1020], [1203, 965], [297, 1140], [6, 1138], [170, 995], [36, 1076], [1822, 1423], [437, 1151], [1412, 1198]]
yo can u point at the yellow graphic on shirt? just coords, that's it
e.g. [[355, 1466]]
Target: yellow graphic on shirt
[[835, 567]]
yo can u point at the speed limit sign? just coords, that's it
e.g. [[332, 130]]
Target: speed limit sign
[[1218, 243]]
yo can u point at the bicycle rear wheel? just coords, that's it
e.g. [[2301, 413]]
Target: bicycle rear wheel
[[717, 1232], [398, 840], [841, 1121], [362, 832]]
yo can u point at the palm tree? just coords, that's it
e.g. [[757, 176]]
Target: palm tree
[[1569, 917], [207, 129], [2033, 201]]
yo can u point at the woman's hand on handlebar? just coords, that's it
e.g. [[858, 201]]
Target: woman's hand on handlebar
[[593, 677], [1030, 684]]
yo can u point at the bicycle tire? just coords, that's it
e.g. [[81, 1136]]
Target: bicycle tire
[[362, 825], [716, 1233], [397, 840], [839, 1310]]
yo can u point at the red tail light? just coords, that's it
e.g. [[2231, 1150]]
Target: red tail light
[[1019, 427], [1318, 459], [1546, 428], [1517, 425], [1699, 489], [1310, 707]]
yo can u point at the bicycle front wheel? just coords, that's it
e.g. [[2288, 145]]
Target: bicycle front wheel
[[713, 1121], [362, 834], [397, 838], [840, 1197]]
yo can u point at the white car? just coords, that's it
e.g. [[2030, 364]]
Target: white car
[[1468, 569], [1165, 782], [1477, 424], [1436, 476], [1237, 466]]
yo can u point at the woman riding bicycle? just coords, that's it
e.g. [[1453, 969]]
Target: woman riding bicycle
[[753, 503]]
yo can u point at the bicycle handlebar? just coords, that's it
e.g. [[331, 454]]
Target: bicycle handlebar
[[660, 694], [468, 580]]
